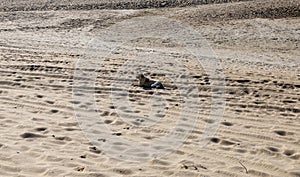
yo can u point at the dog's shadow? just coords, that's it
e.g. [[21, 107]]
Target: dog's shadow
[[145, 88]]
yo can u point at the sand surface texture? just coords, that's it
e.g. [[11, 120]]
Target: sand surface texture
[[257, 46]]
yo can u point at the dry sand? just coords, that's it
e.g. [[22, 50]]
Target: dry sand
[[256, 41]]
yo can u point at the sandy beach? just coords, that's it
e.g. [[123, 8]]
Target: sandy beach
[[69, 105]]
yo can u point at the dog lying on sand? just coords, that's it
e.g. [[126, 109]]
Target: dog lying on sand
[[148, 83]]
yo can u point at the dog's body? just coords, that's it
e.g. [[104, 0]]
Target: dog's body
[[148, 83]]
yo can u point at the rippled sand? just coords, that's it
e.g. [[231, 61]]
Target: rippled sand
[[257, 43]]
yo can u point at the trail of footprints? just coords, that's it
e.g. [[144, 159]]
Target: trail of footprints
[[247, 99]]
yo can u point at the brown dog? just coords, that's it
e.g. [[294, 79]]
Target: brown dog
[[147, 83]]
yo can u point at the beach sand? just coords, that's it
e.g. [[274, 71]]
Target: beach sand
[[256, 42]]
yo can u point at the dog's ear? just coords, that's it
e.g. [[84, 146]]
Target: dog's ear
[[138, 76]]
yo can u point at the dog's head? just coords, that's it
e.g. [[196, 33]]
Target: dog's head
[[140, 77]]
